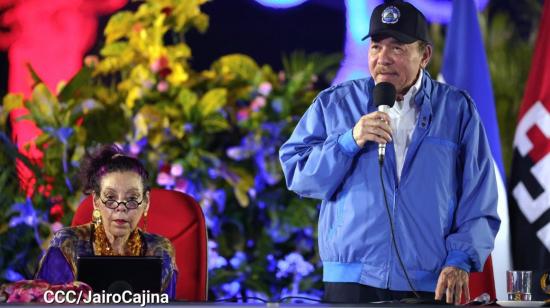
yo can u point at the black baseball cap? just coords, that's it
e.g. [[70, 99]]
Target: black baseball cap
[[400, 20]]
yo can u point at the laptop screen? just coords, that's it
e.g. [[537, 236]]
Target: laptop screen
[[116, 274]]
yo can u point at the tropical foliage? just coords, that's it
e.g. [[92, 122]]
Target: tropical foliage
[[213, 134]]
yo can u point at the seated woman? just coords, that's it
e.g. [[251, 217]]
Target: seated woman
[[120, 192]]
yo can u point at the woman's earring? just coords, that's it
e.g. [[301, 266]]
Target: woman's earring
[[144, 221], [96, 217]]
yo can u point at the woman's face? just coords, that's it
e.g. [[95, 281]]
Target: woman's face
[[125, 188]]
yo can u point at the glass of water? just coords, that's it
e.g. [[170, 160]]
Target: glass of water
[[518, 285]]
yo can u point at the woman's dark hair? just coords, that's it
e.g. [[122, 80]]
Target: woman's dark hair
[[107, 159]]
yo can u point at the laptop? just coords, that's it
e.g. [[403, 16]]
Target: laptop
[[116, 274]]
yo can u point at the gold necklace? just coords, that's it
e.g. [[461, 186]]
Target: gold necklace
[[102, 246]]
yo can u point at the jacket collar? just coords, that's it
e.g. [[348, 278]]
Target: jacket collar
[[422, 98], [425, 91]]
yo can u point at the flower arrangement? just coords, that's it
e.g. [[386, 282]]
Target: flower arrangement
[[213, 134], [29, 291]]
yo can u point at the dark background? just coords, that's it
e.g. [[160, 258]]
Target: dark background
[[266, 34]]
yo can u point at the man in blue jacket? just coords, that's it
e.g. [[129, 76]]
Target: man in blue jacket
[[438, 175]]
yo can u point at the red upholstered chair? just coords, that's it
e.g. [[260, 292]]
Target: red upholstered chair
[[178, 217], [483, 282]]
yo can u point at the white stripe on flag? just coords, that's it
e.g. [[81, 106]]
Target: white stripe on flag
[[538, 116], [544, 235], [502, 251]]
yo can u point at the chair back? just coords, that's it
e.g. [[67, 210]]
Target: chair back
[[178, 217], [483, 282]]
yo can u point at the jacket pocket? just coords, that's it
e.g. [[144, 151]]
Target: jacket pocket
[[441, 141]]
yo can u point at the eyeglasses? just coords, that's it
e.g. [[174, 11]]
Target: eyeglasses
[[114, 204]]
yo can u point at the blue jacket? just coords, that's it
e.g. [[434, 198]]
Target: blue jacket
[[444, 208]]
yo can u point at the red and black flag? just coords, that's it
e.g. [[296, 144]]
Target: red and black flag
[[529, 198]]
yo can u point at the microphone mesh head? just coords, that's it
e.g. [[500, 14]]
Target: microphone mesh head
[[384, 94]]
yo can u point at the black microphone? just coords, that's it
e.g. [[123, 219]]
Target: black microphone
[[384, 98]]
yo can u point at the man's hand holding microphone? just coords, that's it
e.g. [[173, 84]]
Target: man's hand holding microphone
[[375, 126]]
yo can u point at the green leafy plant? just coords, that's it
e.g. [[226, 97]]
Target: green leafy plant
[[213, 134]]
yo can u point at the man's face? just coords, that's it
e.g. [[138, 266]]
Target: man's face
[[396, 62]]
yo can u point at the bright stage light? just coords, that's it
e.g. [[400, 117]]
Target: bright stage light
[[280, 4], [358, 12]]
